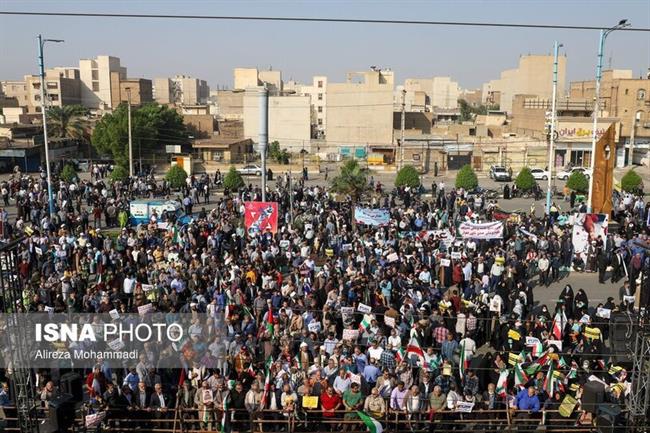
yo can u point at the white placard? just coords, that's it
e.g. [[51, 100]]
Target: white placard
[[464, 406], [355, 378], [347, 311], [455, 255], [392, 257], [49, 310], [495, 305], [163, 226], [557, 343], [604, 313], [363, 308], [38, 251], [114, 314], [389, 321], [207, 396], [116, 344], [445, 262], [346, 247], [147, 287], [628, 299], [585, 318], [144, 309], [350, 334], [531, 341], [314, 326]]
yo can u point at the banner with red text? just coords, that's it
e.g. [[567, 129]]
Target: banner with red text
[[491, 230]]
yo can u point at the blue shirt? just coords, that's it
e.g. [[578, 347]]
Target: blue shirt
[[371, 373], [526, 402]]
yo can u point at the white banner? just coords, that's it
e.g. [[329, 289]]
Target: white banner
[[363, 308], [491, 230]]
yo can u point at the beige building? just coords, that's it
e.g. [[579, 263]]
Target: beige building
[[181, 90], [360, 111], [440, 92], [100, 78], [141, 91], [245, 78], [17, 90], [533, 76], [288, 121], [230, 105], [317, 93]]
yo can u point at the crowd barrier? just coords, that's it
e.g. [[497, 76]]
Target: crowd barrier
[[242, 421]]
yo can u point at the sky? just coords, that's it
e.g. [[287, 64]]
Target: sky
[[210, 50]]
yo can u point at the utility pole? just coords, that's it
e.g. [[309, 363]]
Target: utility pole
[[401, 140], [41, 70], [264, 134], [594, 133], [128, 101], [632, 138], [551, 147]]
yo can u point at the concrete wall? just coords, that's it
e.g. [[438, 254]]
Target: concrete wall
[[230, 105], [141, 90], [162, 90], [289, 119], [245, 77]]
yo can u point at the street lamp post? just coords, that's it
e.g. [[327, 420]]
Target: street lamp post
[[128, 101], [264, 134], [594, 134], [551, 147], [41, 67]]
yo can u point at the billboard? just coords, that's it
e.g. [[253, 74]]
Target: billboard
[[371, 217], [261, 217]]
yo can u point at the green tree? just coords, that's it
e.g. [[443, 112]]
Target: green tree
[[578, 182], [351, 180], [466, 178], [68, 173], [408, 176], [152, 126], [69, 121], [632, 182], [119, 173], [176, 176], [525, 180], [281, 156], [233, 180]]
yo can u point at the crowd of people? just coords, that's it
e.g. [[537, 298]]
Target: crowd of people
[[408, 322]]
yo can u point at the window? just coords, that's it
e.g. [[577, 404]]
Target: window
[[627, 91], [320, 109], [95, 74], [320, 96], [52, 85], [640, 94], [320, 122], [37, 97], [54, 97], [320, 84], [95, 86], [36, 86]]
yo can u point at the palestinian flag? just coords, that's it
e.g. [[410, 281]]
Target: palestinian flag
[[502, 383], [520, 376], [463, 362], [559, 322], [400, 355], [267, 380], [373, 425], [539, 363], [573, 371], [561, 363], [414, 349], [270, 321], [365, 323], [549, 380]]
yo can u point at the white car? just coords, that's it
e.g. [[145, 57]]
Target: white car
[[564, 174], [539, 173], [250, 170]]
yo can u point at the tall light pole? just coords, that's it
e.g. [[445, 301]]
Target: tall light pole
[[594, 133], [41, 70], [128, 101], [264, 134], [403, 124], [551, 147]]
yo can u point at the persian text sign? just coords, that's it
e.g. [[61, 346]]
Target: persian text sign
[[261, 217], [491, 230], [371, 217]]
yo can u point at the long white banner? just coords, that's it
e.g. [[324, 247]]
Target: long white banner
[[492, 230]]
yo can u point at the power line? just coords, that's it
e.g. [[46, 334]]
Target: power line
[[319, 20]]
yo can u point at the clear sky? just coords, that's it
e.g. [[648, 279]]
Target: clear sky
[[211, 49]]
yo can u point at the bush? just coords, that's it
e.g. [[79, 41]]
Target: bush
[[525, 180], [408, 176], [281, 156], [233, 180], [466, 178], [578, 182], [68, 173], [176, 176], [632, 182], [119, 173]]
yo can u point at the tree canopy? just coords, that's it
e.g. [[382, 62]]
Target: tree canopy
[[153, 126], [578, 182], [408, 176], [525, 180], [466, 178], [69, 121], [351, 180], [632, 182], [233, 180], [176, 176]]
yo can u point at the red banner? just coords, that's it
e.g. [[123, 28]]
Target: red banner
[[261, 217]]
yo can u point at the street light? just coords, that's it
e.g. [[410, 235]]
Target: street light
[[551, 150], [41, 67], [594, 135]]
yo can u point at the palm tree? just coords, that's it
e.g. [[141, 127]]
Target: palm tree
[[351, 181], [68, 121]]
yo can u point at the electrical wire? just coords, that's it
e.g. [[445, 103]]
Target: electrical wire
[[318, 20]]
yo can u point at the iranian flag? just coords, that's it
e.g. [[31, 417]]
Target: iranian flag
[[298, 361], [414, 349], [365, 323], [502, 383], [373, 425], [559, 322], [464, 362], [549, 380], [224, 418], [270, 321], [536, 346], [400, 355], [267, 379], [520, 376]]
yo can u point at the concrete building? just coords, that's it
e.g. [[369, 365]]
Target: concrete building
[[245, 78], [440, 92], [288, 122], [181, 90], [100, 81], [360, 111], [533, 76], [141, 90], [230, 105], [17, 90], [317, 93]]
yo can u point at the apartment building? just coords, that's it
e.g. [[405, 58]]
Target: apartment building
[[181, 90], [245, 78], [439, 92], [100, 81], [140, 90], [15, 89], [317, 93], [62, 87]]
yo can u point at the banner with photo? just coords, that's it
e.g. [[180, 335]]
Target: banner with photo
[[371, 217], [260, 216], [491, 230], [587, 228]]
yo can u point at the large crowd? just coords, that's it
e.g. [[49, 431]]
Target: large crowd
[[408, 318]]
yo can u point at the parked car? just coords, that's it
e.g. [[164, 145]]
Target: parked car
[[539, 173], [500, 173], [250, 170], [564, 174]]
